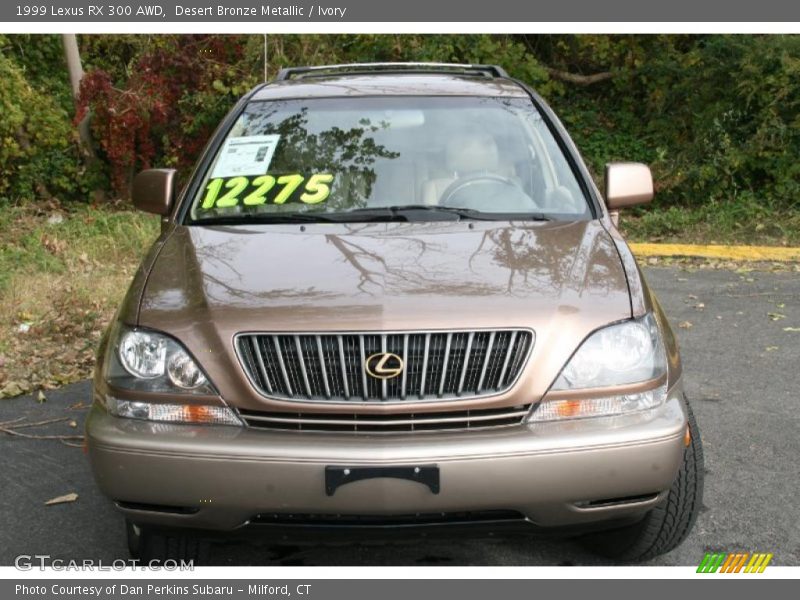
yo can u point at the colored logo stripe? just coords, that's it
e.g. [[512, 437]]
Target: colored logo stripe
[[758, 563], [734, 562], [711, 562]]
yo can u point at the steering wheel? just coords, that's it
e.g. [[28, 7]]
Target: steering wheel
[[513, 196]]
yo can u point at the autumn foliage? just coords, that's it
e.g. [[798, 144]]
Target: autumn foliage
[[715, 116], [146, 117]]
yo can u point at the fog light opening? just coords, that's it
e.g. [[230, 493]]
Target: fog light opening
[[611, 502], [157, 508]]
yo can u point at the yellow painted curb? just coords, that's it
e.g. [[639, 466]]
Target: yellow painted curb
[[743, 253]]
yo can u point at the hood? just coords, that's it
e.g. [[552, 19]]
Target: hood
[[560, 279]]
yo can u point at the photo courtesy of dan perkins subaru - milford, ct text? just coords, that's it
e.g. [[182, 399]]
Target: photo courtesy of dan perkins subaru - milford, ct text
[[111, 589]]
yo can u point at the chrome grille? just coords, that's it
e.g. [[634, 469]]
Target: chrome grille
[[331, 367], [393, 423]]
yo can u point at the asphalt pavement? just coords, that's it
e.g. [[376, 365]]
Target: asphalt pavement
[[742, 374]]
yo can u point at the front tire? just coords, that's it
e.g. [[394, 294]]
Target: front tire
[[148, 545], [133, 533], [669, 523]]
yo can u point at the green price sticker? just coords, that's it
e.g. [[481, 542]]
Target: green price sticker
[[267, 189]]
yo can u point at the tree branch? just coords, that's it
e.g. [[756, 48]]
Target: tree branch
[[579, 79], [40, 437]]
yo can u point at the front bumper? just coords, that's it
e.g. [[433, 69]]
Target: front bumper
[[570, 474]]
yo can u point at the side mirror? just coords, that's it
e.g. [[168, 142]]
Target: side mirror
[[153, 191], [628, 184]]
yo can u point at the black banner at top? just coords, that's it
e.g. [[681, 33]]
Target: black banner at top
[[359, 11]]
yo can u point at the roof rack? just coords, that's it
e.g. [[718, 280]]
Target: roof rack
[[491, 71]]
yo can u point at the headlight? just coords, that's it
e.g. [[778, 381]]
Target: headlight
[[619, 355], [184, 372], [142, 353], [629, 352], [148, 361]]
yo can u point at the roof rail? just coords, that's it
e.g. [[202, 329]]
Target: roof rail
[[491, 71]]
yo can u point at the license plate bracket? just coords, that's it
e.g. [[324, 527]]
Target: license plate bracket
[[338, 475]]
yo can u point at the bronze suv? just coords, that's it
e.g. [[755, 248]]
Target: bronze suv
[[390, 298]]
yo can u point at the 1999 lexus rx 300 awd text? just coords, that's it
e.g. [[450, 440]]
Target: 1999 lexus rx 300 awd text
[[390, 294]]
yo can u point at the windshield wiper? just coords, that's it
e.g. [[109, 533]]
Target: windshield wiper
[[460, 213], [284, 218], [375, 214]]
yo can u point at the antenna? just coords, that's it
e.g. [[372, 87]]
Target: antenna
[[265, 58]]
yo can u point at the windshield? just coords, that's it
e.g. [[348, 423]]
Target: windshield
[[377, 158]]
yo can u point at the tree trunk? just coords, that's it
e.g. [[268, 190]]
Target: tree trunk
[[75, 70]]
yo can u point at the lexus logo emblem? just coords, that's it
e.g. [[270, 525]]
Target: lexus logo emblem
[[384, 365]]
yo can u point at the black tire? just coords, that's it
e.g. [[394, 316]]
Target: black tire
[[133, 534], [149, 545], [669, 523]]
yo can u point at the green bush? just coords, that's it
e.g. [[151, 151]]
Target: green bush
[[39, 154], [727, 113], [716, 116]]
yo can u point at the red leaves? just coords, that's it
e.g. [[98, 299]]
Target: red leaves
[[139, 120]]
